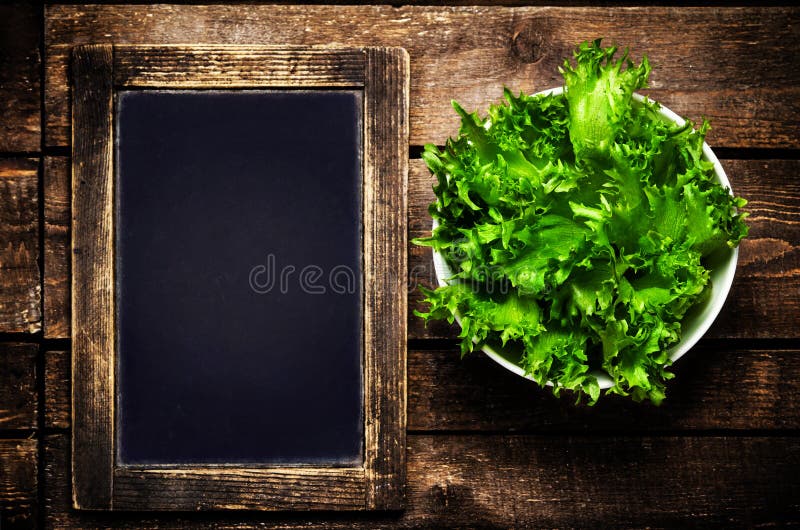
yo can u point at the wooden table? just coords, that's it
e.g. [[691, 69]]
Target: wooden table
[[485, 448]]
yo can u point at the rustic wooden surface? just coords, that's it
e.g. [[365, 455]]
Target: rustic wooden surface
[[57, 186], [20, 308], [290, 488], [18, 483], [727, 64], [720, 388], [57, 397], [20, 82], [498, 481], [385, 186], [93, 335], [193, 66], [18, 395], [486, 448]]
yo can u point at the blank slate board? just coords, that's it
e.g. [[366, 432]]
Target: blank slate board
[[239, 276]]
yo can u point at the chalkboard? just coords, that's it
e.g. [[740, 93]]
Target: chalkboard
[[239, 269], [238, 276]]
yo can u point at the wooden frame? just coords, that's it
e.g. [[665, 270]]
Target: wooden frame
[[99, 482]]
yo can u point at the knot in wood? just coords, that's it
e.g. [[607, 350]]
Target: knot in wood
[[528, 43]]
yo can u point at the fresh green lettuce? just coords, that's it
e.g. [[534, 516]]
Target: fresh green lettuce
[[579, 226]]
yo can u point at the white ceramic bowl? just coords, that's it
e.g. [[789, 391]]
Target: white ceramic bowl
[[695, 323]]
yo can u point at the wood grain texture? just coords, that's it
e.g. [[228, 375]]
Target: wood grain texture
[[593, 481], [764, 301], [56, 300], [385, 306], [236, 66], [18, 483], [20, 304], [518, 481], [20, 84], [767, 285], [57, 395], [719, 386], [18, 395], [728, 64], [92, 278], [240, 489]]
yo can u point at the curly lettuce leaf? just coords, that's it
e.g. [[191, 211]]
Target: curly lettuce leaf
[[599, 91]]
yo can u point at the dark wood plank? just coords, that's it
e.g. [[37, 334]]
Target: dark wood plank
[[18, 395], [236, 66], [60, 513], [605, 481], [57, 243], [20, 307], [93, 278], [731, 66], [18, 483], [717, 387], [289, 488], [20, 84], [57, 398], [517, 481], [764, 301], [385, 260]]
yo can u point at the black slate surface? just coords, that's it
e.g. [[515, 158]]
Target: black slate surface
[[239, 277]]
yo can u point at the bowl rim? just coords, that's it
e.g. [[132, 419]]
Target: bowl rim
[[720, 285]]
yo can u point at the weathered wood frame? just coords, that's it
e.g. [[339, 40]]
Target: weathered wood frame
[[99, 482]]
